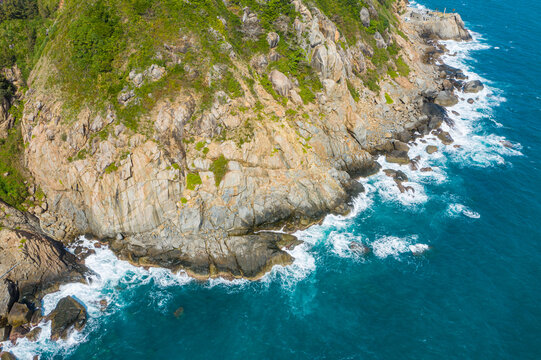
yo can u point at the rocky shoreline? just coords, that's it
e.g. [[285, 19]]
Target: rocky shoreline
[[212, 232]]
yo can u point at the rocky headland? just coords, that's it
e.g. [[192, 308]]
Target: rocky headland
[[203, 146]]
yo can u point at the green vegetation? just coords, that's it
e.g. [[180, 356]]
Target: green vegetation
[[111, 168], [354, 93], [192, 180], [402, 68], [388, 99], [183, 200], [371, 80], [12, 173], [219, 168]]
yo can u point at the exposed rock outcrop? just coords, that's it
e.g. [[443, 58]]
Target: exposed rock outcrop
[[439, 25]]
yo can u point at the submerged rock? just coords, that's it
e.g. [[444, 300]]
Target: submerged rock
[[359, 248], [69, 314]]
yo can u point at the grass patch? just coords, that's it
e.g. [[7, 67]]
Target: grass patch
[[388, 99], [219, 168], [192, 180]]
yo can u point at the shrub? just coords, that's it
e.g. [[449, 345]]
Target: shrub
[[96, 38], [388, 99], [192, 180], [219, 168], [354, 93], [402, 68]]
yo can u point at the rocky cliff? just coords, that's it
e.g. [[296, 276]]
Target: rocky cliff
[[180, 138]]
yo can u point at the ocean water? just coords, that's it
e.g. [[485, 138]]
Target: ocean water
[[473, 294]]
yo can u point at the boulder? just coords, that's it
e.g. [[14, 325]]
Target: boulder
[[365, 17], [473, 86], [19, 315], [400, 146], [273, 39], [396, 174], [7, 356], [69, 314], [436, 114], [431, 149], [380, 42], [359, 248], [442, 26], [280, 83], [445, 138], [398, 157], [446, 98]]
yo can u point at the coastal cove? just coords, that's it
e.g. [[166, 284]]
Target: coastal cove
[[437, 260]]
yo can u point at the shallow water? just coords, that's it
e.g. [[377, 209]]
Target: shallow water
[[474, 294]]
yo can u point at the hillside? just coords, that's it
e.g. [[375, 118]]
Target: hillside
[[177, 129]]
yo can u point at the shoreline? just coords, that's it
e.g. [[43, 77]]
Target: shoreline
[[323, 217]]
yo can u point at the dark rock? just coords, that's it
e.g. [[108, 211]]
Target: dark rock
[[372, 168], [179, 312], [426, 169], [445, 138], [455, 113], [453, 72], [17, 333], [507, 144], [436, 114], [473, 86], [470, 101], [103, 304], [396, 174], [431, 149], [68, 314], [359, 248], [398, 157], [33, 334]]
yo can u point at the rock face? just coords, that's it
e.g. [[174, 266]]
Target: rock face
[[193, 186], [31, 264], [441, 26], [69, 314]]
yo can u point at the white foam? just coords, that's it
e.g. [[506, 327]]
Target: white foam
[[288, 276], [110, 277], [455, 210], [386, 246]]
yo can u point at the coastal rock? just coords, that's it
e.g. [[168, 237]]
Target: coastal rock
[[473, 86], [446, 98], [69, 314], [398, 157], [436, 114], [400, 146], [359, 248], [441, 26], [7, 356], [431, 149], [445, 138], [19, 315]]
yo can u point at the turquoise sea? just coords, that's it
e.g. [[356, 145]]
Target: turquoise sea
[[476, 294]]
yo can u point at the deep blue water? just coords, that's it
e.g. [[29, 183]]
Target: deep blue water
[[474, 295]]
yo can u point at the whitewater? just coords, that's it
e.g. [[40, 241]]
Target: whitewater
[[422, 284]]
